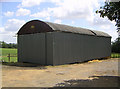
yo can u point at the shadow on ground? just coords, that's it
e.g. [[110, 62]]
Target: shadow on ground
[[25, 65], [97, 81], [100, 82], [33, 65]]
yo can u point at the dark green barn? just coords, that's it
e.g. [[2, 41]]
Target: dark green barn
[[48, 43]]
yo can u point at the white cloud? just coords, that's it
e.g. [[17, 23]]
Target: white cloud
[[73, 22], [65, 9], [8, 37], [56, 1], [9, 13], [58, 21], [22, 12], [97, 20], [30, 3], [8, 32], [71, 9], [13, 24], [2, 30], [113, 33], [10, 1], [105, 27], [47, 18], [43, 13]]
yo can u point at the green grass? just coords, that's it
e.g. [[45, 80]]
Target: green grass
[[6, 51], [115, 55]]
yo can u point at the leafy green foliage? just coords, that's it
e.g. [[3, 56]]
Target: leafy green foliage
[[115, 55], [112, 11], [116, 46], [5, 45]]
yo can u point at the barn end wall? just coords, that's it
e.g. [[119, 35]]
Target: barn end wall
[[36, 48], [49, 48], [70, 47], [31, 48]]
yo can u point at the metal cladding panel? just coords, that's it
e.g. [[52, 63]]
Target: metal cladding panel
[[49, 48], [96, 47], [70, 47], [66, 49], [31, 48]]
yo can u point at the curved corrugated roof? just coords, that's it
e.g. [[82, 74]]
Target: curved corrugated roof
[[100, 33], [66, 28], [37, 26]]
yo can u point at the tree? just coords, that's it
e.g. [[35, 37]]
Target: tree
[[116, 46], [112, 11], [6, 45]]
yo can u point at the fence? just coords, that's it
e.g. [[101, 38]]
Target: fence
[[13, 58], [9, 58]]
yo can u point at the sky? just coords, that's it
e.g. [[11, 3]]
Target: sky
[[79, 13]]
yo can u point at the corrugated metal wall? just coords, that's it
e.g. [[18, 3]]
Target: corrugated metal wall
[[54, 48], [70, 47], [49, 48], [36, 48], [31, 48]]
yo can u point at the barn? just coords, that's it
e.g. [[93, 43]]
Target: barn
[[47, 43]]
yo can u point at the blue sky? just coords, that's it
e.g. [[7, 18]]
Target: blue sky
[[79, 13]]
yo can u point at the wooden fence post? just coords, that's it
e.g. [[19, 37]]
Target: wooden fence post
[[9, 57]]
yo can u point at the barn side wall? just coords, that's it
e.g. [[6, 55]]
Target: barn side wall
[[54, 48], [70, 47]]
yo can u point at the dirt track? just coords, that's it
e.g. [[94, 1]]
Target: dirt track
[[49, 76]]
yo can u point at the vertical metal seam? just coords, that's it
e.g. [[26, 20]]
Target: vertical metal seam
[[53, 44], [45, 48]]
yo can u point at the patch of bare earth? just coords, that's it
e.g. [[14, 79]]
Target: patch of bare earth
[[49, 76]]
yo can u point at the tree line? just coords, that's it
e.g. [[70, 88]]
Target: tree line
[[7, 45], [116, 46]]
